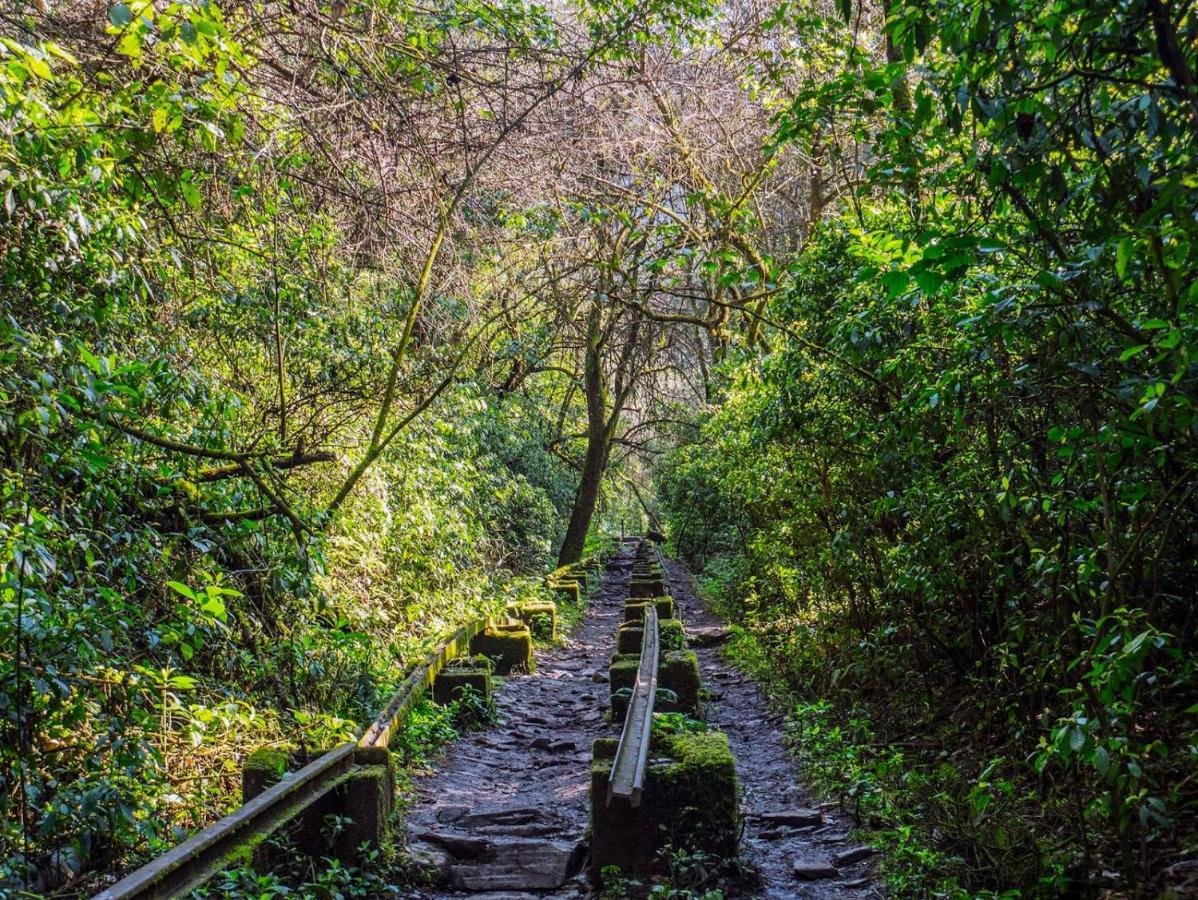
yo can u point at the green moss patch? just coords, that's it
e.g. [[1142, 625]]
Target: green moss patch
[[634, 610], [539, 615], [690, 801], [507, 645]]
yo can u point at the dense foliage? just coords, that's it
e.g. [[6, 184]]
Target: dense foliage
[[326, 326], [956, 502]]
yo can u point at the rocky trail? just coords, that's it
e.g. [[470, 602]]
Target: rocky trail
[[505, 813]]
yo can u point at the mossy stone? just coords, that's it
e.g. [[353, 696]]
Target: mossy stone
[[677, 671], [634, 610], [670, 636], [452, 684], [262, 769], [571, 590], [649, 587], [539, 615], [507, 645], [690, 801]]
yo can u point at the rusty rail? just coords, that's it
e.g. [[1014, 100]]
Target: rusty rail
[[632, 755]]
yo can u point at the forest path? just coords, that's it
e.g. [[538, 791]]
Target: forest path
[[507, 808], [510, 805]]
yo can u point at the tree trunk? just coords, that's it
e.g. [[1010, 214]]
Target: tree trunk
[[584, 501], [595, 463]]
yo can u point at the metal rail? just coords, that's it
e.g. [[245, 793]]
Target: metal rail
[[206, 853], [188, 865], [632, 755], [417, 684]]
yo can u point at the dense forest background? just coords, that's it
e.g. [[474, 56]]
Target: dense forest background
[[326, 326]]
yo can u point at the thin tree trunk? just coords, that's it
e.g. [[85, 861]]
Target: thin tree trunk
[[595, 462]]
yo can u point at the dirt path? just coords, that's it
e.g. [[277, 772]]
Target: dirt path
[[505, 814]]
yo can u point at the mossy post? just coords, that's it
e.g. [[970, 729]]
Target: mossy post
[[262, 769], [669, 632], [651, 586], [362, 798], [678, 672], [472, 675], [634, 610], [507, 645], [690, 802], [539, 615]]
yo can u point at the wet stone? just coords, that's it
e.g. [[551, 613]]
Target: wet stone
[[810, 868], [793, 817], [853, 855]]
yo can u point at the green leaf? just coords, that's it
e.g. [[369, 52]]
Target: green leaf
[[1123, 253], [1077, 740], [182, 590], [1132, 351], [158, 119], [120, 15], [1102, 761]]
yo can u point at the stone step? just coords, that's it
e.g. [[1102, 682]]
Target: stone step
[[522, 865]]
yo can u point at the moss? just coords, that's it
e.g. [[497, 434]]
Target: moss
[[647, 587], [690, 802], [570, 590], [261, 769], [680, 673], [698, 785], [451, 684], [539, 615], [508, 646], [677, 672], [634, 610], [670, 636], [628, 639]]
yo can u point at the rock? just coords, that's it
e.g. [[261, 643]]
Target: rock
[[429, 857], [796, 818], [459, 846], [599, 677], [854, 855], [451, 813], [528, 830], [708, 637], [813, 868], [522, 866], [512, 815]]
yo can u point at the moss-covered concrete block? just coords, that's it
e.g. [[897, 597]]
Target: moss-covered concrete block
[[677, 672], [453, 683], [262, 769], [507, 645], [628, 638], [670, 636], [539, 615], [570, 590], [364, 799], [647, 587], [690, 802], [634, 610]]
